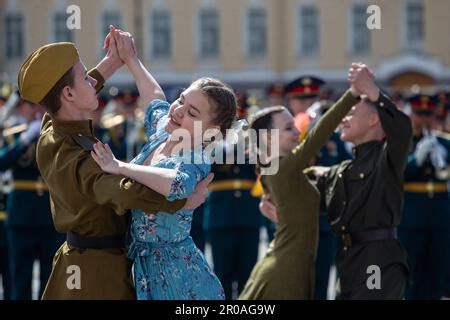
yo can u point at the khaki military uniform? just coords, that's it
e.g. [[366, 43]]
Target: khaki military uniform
[[91, 203], [287, 270]]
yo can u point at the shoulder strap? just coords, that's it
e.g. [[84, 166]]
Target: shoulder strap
[[85, 142]]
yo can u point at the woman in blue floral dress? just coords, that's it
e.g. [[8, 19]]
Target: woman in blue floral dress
[[167, 264]]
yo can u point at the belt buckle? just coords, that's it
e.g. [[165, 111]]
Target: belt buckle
[[347, 240]]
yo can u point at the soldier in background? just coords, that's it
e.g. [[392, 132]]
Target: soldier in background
[[275, 94], [232, 218], [302, 94], [126, 134], [440, 122], [4, 259], [29, 228], [425, 228], [233, 222]]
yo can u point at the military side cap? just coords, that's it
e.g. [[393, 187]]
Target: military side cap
[[43, 68], [304, 87], [422, 104]]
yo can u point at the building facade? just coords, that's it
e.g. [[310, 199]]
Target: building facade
[[247, 43]]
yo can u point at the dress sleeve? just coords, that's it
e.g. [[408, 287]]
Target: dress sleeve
[[186, 179], [156, 111]]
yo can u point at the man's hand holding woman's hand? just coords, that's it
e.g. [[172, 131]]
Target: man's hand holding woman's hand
[[121, 44], [362, 81]]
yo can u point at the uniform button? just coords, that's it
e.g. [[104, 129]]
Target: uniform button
[[361, 175], [340, 175], [345, 248], [381, 104], [236, 170], [237, 194], [80, 135], [344, 202], [343, 228]]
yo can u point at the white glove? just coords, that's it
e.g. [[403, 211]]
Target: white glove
[[438, 155], [423, 148], [33, 130]]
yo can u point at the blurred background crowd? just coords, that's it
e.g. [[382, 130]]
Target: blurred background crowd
[[289, 52]]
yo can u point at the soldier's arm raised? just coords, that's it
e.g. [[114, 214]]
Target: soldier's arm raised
[[322, 131]]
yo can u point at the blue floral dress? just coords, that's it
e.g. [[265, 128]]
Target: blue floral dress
[[167, 264]]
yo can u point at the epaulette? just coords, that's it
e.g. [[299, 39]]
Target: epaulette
[[86, 142]]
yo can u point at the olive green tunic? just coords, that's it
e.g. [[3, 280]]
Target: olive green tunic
[[287, 270], [92, 203]]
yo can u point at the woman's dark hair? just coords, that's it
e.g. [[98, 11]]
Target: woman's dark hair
[[263, 119], [52, 101], [222, 98]]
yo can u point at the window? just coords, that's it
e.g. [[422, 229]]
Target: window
[[209, 33], [161, 34], [257, 32], [111, 18], [361, 34], [14, 36], [414, 23], [309, 31], [62, 33]]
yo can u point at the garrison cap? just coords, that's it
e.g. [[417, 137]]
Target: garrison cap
[[44, 67]]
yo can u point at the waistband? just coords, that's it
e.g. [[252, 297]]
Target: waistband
[[143, 249], [79, 241], [350, 239]]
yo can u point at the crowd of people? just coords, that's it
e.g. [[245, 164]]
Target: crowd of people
[[101, 184]]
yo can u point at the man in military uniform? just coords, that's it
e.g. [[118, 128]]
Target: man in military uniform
[[425, 229], [363, 197], [87, 204], [29, 228], [233, 222]]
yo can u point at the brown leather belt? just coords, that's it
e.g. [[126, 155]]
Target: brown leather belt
[[79, 241], [350, 239]]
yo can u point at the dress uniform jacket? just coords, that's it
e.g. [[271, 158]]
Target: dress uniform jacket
[[233, 222], [287, 270], [89, 202], [425, 228], [29, 229], [366, 194]]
